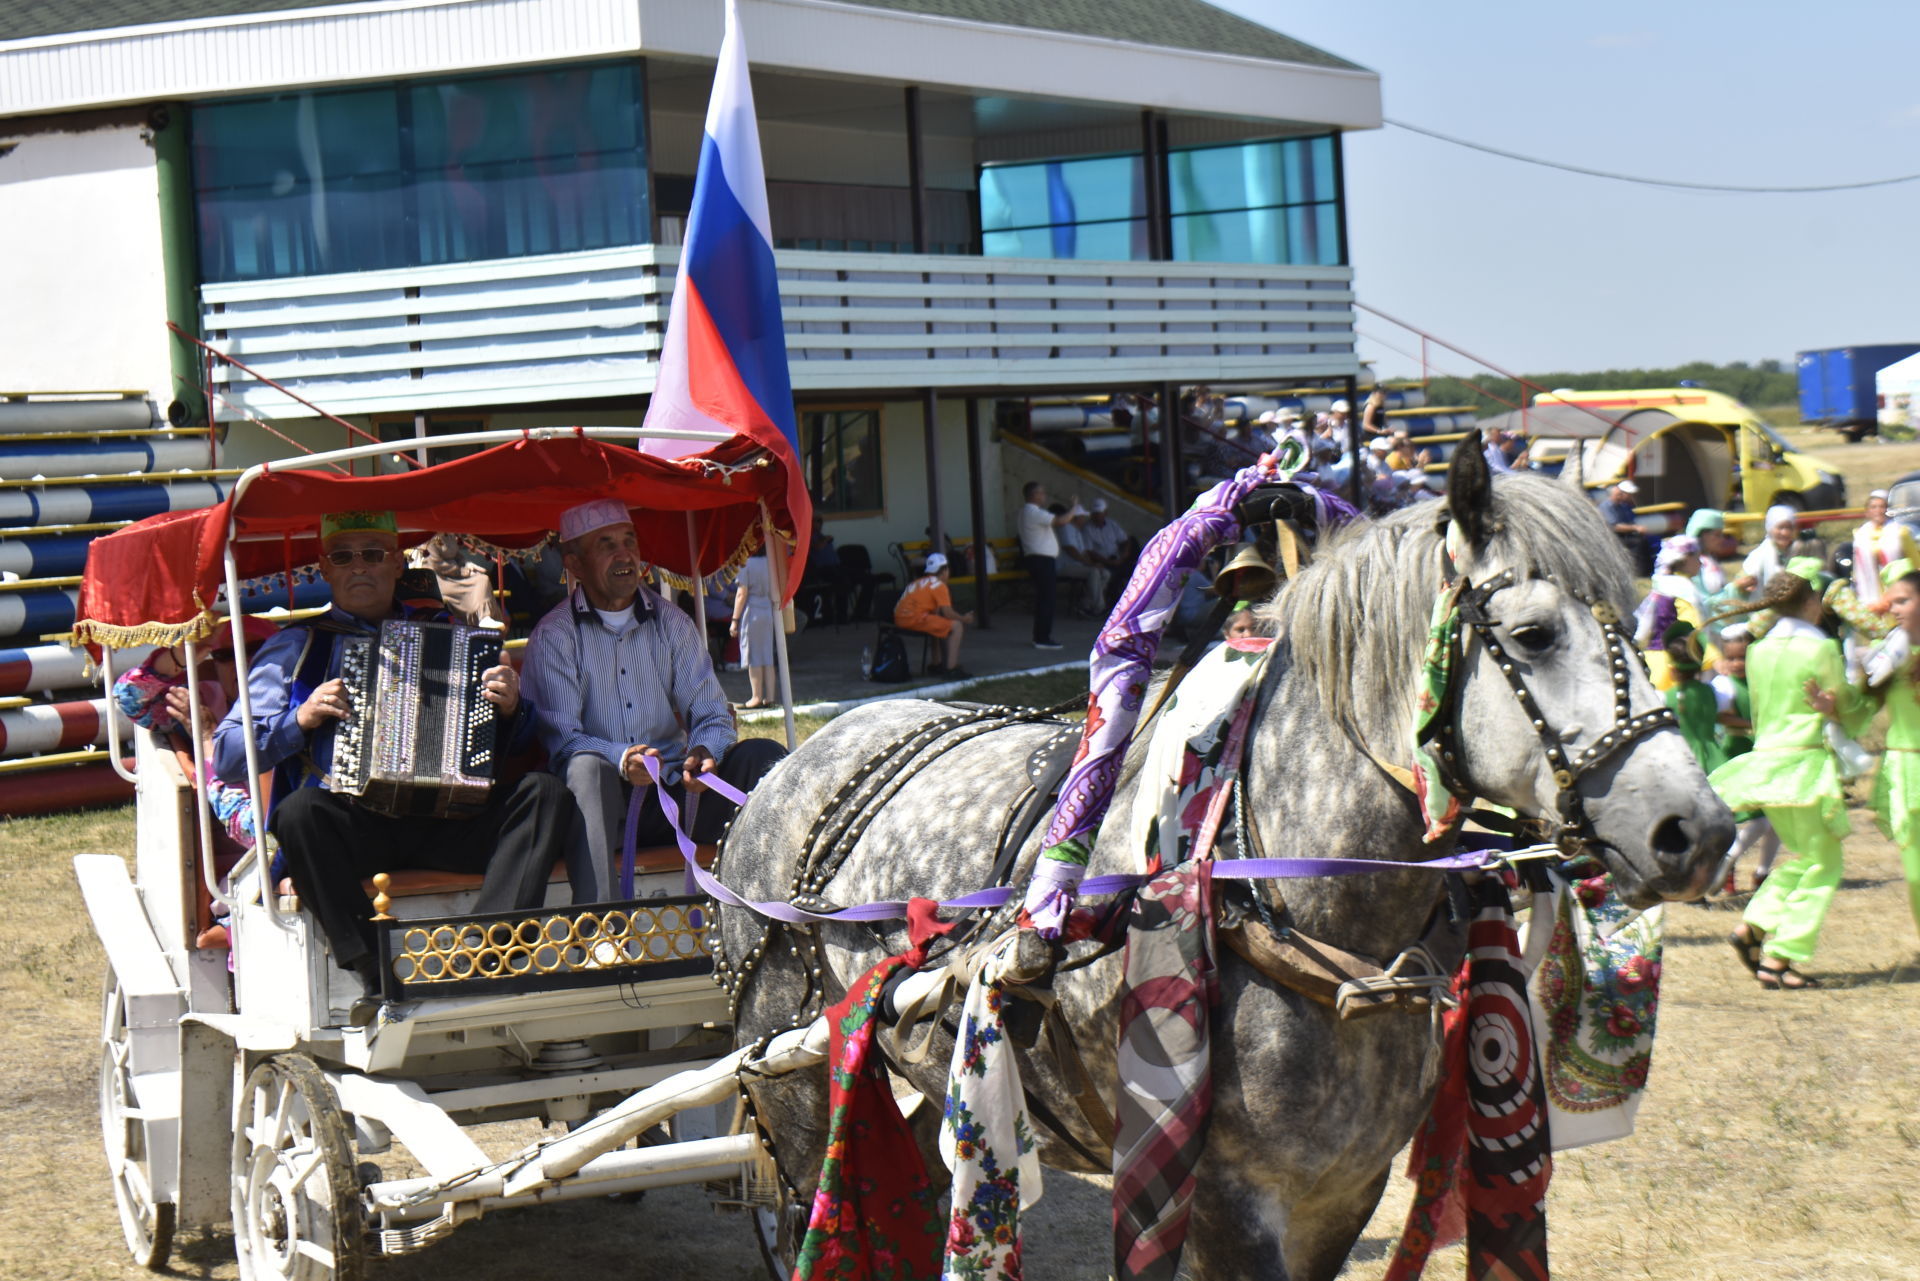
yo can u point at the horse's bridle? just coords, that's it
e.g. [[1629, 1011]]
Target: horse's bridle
[[1576, 827]]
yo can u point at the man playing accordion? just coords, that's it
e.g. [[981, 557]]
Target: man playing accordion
[[331, 841]]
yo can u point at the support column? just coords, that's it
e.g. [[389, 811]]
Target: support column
[[1171, 484], [930, 415], [1151, 190], [916, 170], [179, 260], [977, 501]]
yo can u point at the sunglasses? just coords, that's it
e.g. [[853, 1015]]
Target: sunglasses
[[344, 556]]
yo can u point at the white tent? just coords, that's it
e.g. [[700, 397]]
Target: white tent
[[1897, 390]]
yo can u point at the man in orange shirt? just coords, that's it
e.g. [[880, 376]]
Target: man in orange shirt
[[927, 606]]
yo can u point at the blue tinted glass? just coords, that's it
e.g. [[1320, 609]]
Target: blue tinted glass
[[1257, 202], [1227, 177], [1060, 191], [402, 175]]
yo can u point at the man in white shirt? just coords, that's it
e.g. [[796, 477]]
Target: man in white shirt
[[1077, 562], [1040, 547], [1108, 547]]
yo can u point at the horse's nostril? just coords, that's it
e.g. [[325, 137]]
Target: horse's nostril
[[1671, 837]]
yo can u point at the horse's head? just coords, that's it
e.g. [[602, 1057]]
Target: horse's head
[[1546, 708]]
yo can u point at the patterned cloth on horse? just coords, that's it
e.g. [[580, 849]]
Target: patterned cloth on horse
[[986, 1138], [875, 1215], [1481, 1159], [1596, 993]]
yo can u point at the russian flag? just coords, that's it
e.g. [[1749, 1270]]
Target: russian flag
[[724, 364]]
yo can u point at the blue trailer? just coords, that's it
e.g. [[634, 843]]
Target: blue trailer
[[1837, 385]]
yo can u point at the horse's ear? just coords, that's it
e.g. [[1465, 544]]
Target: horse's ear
[[1574, 471], [1470, 490]]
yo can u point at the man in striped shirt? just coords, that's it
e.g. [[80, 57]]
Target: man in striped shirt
[[624, 675]]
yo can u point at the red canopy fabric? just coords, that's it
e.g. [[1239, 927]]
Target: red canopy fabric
[[154, 581]]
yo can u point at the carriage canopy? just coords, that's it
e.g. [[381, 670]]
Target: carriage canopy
[[155, 581]]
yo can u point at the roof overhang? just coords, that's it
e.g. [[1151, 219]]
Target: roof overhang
[[393, 39]]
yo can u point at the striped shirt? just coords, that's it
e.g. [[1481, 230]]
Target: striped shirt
[[601, 690]]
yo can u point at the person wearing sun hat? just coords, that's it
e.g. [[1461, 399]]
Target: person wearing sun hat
[[619, 674], [329, 842]]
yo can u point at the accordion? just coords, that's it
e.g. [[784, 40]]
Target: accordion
[[420, 741]]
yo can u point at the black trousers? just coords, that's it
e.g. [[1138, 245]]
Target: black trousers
[[1044, 571], [332, 844]]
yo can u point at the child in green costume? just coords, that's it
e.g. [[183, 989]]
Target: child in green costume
[[1896, 792], [1798, 682], [1691, 700], [1736, 739]]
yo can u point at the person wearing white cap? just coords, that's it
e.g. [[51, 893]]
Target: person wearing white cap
[[1617, 510], [927, 607], [623, 675], [1771, 556]]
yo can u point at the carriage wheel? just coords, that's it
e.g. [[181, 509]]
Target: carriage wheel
[[296, 1193], [148, 1226], [779, 1232]]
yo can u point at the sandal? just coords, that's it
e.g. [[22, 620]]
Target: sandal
[[1784, 979], [1747, 949], [753, 704]]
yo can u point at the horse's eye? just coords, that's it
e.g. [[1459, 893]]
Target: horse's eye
[[1532, 636]]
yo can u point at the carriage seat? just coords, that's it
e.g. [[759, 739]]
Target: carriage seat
[[412, 882]]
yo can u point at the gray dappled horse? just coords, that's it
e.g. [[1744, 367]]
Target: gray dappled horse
[[1309, 1110]]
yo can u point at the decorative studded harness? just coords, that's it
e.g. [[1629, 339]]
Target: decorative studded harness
[[1576, 827]]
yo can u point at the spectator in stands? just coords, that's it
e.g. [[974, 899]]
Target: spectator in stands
[[1373, 415], [1333, 423], [1078, 564], [927, 607], [1402, 456], [1495, 448], [1040, 546], [1617, 510], [1109, 547]]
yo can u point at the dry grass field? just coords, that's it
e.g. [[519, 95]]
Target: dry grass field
[[1780, 1137]]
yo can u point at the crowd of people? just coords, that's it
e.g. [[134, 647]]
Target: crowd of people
[[1773, 667]]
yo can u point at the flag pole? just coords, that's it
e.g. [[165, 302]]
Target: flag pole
[[777, 572]]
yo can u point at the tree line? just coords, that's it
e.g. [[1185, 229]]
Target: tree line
[[1763, 385]]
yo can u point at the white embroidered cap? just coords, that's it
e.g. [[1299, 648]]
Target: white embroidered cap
[[587, 517]]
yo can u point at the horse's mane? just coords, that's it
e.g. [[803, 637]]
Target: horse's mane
[[1365, 603]]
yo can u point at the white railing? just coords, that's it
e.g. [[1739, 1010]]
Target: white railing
[[590, 324]]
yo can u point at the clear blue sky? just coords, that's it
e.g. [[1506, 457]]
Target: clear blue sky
[[1539, 270]]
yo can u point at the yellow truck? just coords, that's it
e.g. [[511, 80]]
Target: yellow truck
[[1680, 445]]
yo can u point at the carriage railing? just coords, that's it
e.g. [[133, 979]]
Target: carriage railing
[[236, 621]]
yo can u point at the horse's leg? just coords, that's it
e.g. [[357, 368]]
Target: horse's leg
[[1236, 1233], [1323, 1228]]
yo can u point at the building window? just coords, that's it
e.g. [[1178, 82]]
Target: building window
[[841, 451], [1256, 202], [407, 175], [1092, 208]]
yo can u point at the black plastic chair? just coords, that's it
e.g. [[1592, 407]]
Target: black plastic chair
[[862, 578]]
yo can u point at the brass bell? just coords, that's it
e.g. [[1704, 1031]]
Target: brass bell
[[1247, 576]]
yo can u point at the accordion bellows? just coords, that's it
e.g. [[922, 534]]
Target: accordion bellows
[[421, 741]]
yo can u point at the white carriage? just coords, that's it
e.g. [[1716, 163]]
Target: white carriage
[[240, 1088]]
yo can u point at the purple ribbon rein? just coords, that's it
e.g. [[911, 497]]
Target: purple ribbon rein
[[1239, 869]]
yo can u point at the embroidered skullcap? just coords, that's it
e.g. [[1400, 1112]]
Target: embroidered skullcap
[[935, 563], [1676, 549], [1809, 568], [334, 524], [587, 517], [1782, 514], [1706, 518], [1682, 646]]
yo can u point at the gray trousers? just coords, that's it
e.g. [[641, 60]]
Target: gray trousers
[[603, 796]]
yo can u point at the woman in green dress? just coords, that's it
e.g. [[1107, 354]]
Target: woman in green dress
[[1896, 792], [1797, 679]]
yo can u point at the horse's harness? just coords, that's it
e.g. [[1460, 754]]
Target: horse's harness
[[1576, 826]]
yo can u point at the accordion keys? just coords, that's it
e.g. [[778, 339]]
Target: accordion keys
[[421, 740]]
